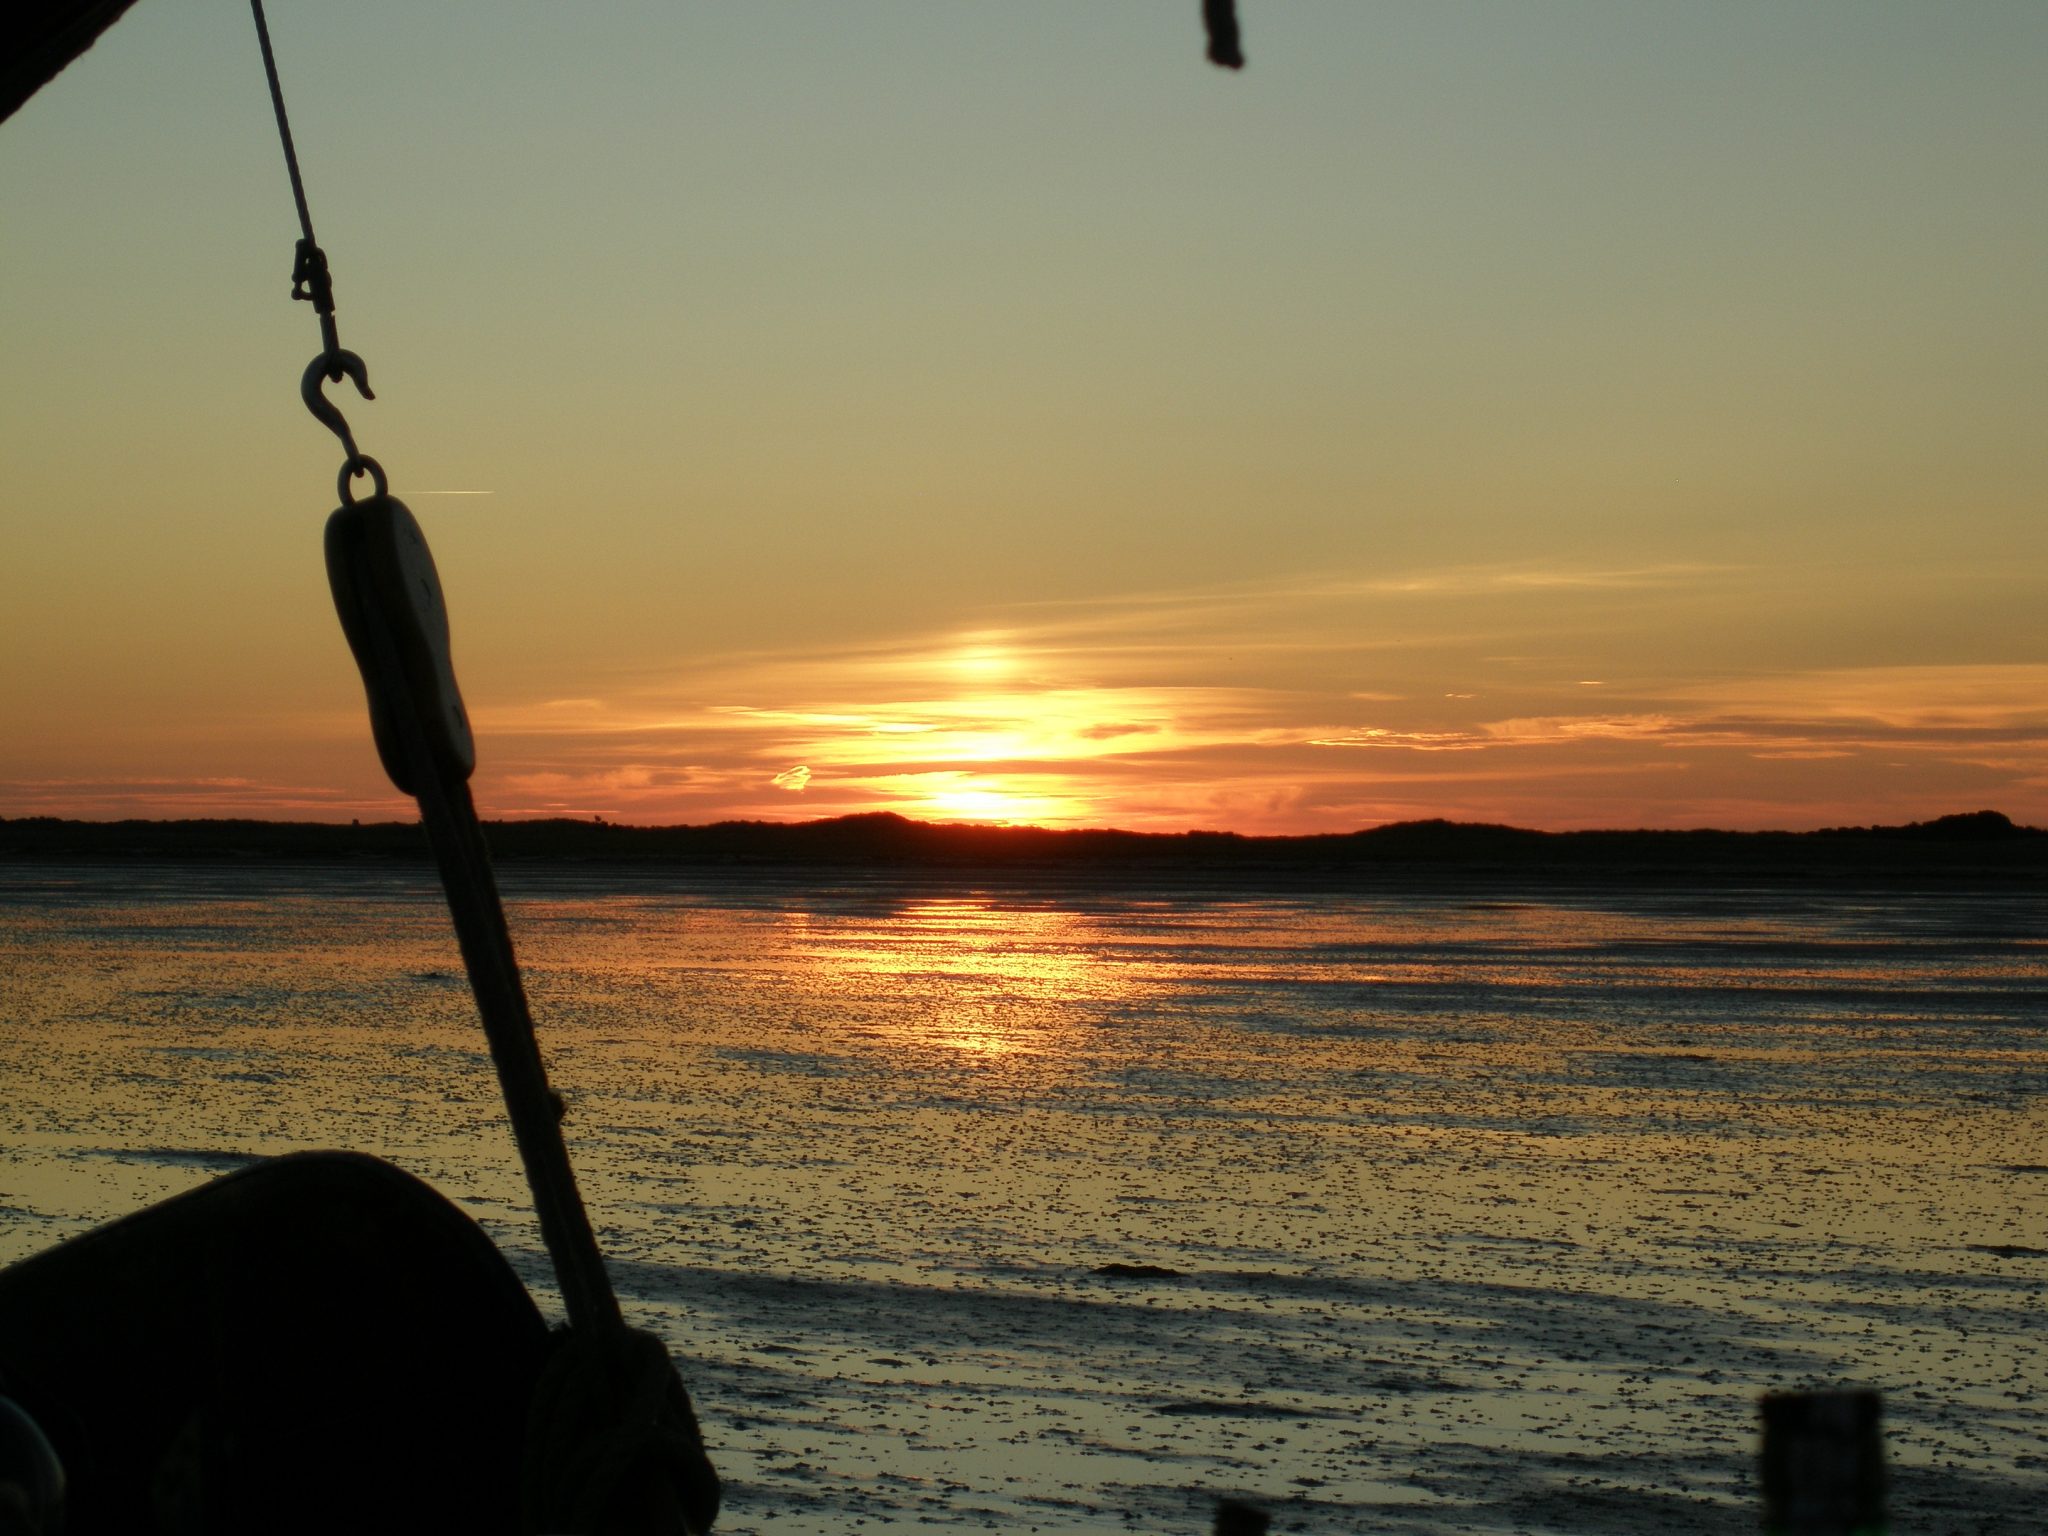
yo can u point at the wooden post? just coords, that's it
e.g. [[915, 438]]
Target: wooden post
[[1823, 1464], [1236, 1518]]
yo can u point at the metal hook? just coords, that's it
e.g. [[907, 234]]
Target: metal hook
[[335, 365]]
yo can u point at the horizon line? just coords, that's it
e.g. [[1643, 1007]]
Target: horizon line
[[1982, 816]]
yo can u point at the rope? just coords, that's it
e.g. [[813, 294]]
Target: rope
[[284, 123], [310, 278], [535, 1112]]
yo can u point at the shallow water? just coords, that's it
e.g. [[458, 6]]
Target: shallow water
[[1489, 1213]]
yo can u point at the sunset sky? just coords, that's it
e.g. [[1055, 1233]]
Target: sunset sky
[[1589, 414]]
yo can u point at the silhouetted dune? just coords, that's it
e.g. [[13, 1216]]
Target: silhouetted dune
[[1976, 843]]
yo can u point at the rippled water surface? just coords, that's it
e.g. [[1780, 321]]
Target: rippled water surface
[[1484, 1213]]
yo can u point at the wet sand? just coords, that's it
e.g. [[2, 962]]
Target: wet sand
[[1482, 1216]]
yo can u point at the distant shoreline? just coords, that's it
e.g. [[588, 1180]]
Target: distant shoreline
[[1977, 844]]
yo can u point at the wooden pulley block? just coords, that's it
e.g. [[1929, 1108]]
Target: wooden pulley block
[[388, 596]]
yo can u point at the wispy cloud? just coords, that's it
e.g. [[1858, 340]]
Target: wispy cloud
[[1148, 711], [115, 798], [1325, 702]]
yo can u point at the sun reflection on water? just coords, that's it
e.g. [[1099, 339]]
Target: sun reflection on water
[[968, 973]]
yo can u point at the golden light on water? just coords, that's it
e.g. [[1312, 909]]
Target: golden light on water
[[981, 977], [1362, 1126]]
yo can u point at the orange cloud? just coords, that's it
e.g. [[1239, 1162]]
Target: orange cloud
[[1315, 705]]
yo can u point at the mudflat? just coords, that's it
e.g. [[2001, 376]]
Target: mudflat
[[985, 1200]]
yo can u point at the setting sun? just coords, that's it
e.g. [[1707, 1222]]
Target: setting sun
[[983, 662], [947, 796]]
